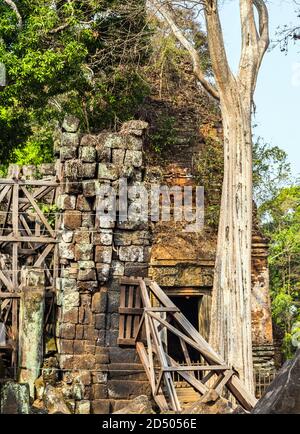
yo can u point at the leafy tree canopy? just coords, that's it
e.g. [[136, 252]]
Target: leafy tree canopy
[[74, 56]]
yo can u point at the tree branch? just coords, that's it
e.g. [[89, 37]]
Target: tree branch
[[13, 6], [254, 41], [221, 68], [188, 46], [263, 15]]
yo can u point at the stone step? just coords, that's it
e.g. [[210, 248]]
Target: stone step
[[187, 395]]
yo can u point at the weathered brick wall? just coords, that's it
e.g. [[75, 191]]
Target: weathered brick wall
[[93, 253]]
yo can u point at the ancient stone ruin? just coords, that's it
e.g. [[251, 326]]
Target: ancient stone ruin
[[68, 305]]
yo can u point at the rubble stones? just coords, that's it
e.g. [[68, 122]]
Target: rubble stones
[[139, 405], [54, 401], [134, 127]]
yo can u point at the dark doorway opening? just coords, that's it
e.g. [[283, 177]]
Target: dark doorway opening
[[189, 306]]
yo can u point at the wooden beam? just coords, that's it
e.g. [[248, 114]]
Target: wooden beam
[[130, 281], [27, 239], [159, 398], [223, 382], [4, 192], [196, 368], [38, 211], [29, 182], [234, 384], [188, 340], [6, 280], [211, 355], [200, 387], [43, 256], [162, 309], [9, 295], [131, 310]]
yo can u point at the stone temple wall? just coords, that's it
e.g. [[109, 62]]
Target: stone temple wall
[[92, 372], [93, 254]]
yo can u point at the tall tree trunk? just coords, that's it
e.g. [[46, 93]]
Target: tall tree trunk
[[230, 332]]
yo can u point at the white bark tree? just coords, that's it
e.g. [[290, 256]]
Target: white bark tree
[[230, 332]]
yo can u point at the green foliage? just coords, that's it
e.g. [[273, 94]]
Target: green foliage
[[271, 171], [80, 57], [164, 135], [37, 149], [210, 170], [281, 223], [50, 212]]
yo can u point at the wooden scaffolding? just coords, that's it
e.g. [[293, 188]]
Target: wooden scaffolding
[[146, 315], [27, 239]]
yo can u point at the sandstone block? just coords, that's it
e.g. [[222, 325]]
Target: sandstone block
[[103, 238], [136, 269], [87, 275], [66, 250], [66, 361], [66, 346], [72, 219], [68, 153], [82, 236], [70, 316], [87, 170], [131, 254], [103, 272], [70, 124], [100, 406], [118, 389], [99, 391], [70, 139], [99, 301], [86, 361], [67, 331], [134, 158], [67, 236], [89, 140], [117, 268], [134, 127], [118, 156], [83, 407], [84, 252], [90, 286], [83, 204], [103, 254], [88, 154], [79, 331], [71, 299], [100, 321], [108, 171]]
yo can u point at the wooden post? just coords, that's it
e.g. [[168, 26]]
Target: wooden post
[[32, 309]]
